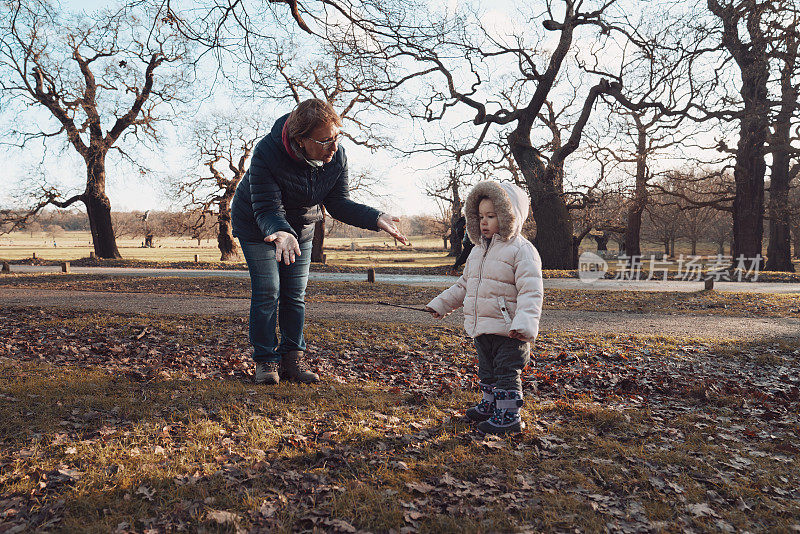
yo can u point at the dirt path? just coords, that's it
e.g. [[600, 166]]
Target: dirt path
[[433, 280], [552, 320]]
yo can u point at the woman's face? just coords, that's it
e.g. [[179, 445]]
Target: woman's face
[[321, 143]]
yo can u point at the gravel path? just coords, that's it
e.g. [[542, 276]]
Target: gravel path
[[433, 281], [716, 327]]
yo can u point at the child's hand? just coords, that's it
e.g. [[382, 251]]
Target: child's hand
[[517, 335], [433, 312]]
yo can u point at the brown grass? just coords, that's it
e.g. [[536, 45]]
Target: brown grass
[[94, 449]]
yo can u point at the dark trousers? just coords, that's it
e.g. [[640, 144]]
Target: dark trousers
[[278, 297], [462, 258], [501, 360]]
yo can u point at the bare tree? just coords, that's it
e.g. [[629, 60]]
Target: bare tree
[[719, 230], [448, 196], [745, 33], [223, 144], [463, 53], [665, 224], [281, 68], [127, 224], [635, 144], [96, 76]]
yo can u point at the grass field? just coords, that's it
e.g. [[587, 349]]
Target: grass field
[[71, 246], [378, 251]]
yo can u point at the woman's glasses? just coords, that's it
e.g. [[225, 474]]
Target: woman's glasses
[[329, 142]]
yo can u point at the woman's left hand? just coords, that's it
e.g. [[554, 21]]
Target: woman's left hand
[[386, 223]]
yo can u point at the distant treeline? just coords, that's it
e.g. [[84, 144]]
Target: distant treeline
[[174, 224]]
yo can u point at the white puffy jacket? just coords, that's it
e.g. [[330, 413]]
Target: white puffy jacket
[[501, 288]]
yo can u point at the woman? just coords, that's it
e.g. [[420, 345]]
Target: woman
[[295, 168]]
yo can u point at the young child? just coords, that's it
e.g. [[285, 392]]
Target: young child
[[501, 291]]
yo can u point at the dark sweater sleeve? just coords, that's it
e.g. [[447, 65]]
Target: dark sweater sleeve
[[267, 200], [339, 205]]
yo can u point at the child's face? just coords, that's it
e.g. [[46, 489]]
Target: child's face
[[488, 217]]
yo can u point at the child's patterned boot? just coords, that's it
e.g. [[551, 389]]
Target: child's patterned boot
[[506, 418], [485, 408]]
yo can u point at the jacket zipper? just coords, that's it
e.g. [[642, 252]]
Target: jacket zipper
[[311, 178], [480, 277]]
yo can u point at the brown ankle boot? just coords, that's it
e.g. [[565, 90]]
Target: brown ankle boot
[[293, 368], [267, 373]]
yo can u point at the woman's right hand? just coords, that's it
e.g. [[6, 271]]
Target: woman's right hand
[[286, 246]]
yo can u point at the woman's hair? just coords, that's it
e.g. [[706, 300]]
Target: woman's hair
[[308, 115]]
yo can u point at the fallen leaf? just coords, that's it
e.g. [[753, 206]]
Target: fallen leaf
[[420, 487], [701, 510]]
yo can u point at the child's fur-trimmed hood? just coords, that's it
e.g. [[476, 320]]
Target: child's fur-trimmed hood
[[510, 203]]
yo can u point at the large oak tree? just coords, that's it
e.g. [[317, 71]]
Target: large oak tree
[[104, 79]]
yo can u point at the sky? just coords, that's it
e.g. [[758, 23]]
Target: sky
[[403, 178]]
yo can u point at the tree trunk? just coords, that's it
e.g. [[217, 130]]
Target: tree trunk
[[721, 247], [227, 246], [553, 221], [455, 238], [672, 247], [779, 250], [634, 226], [602, 242], [748, 204], [455, 243], [796, 232], [576, 246], [318, 244], [98, 207], [553, 232], [635, 210], [694, 246]]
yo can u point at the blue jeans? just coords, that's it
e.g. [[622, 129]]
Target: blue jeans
[[278, 296]]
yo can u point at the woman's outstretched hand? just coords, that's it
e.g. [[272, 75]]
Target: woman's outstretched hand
[[386, 223], [286, 246]]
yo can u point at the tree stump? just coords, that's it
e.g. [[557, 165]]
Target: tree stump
[[65, 267], [709, 284], [6, 268], [371, 275], [197, 258]]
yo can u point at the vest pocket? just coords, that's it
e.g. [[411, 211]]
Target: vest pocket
[[504, 309]]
